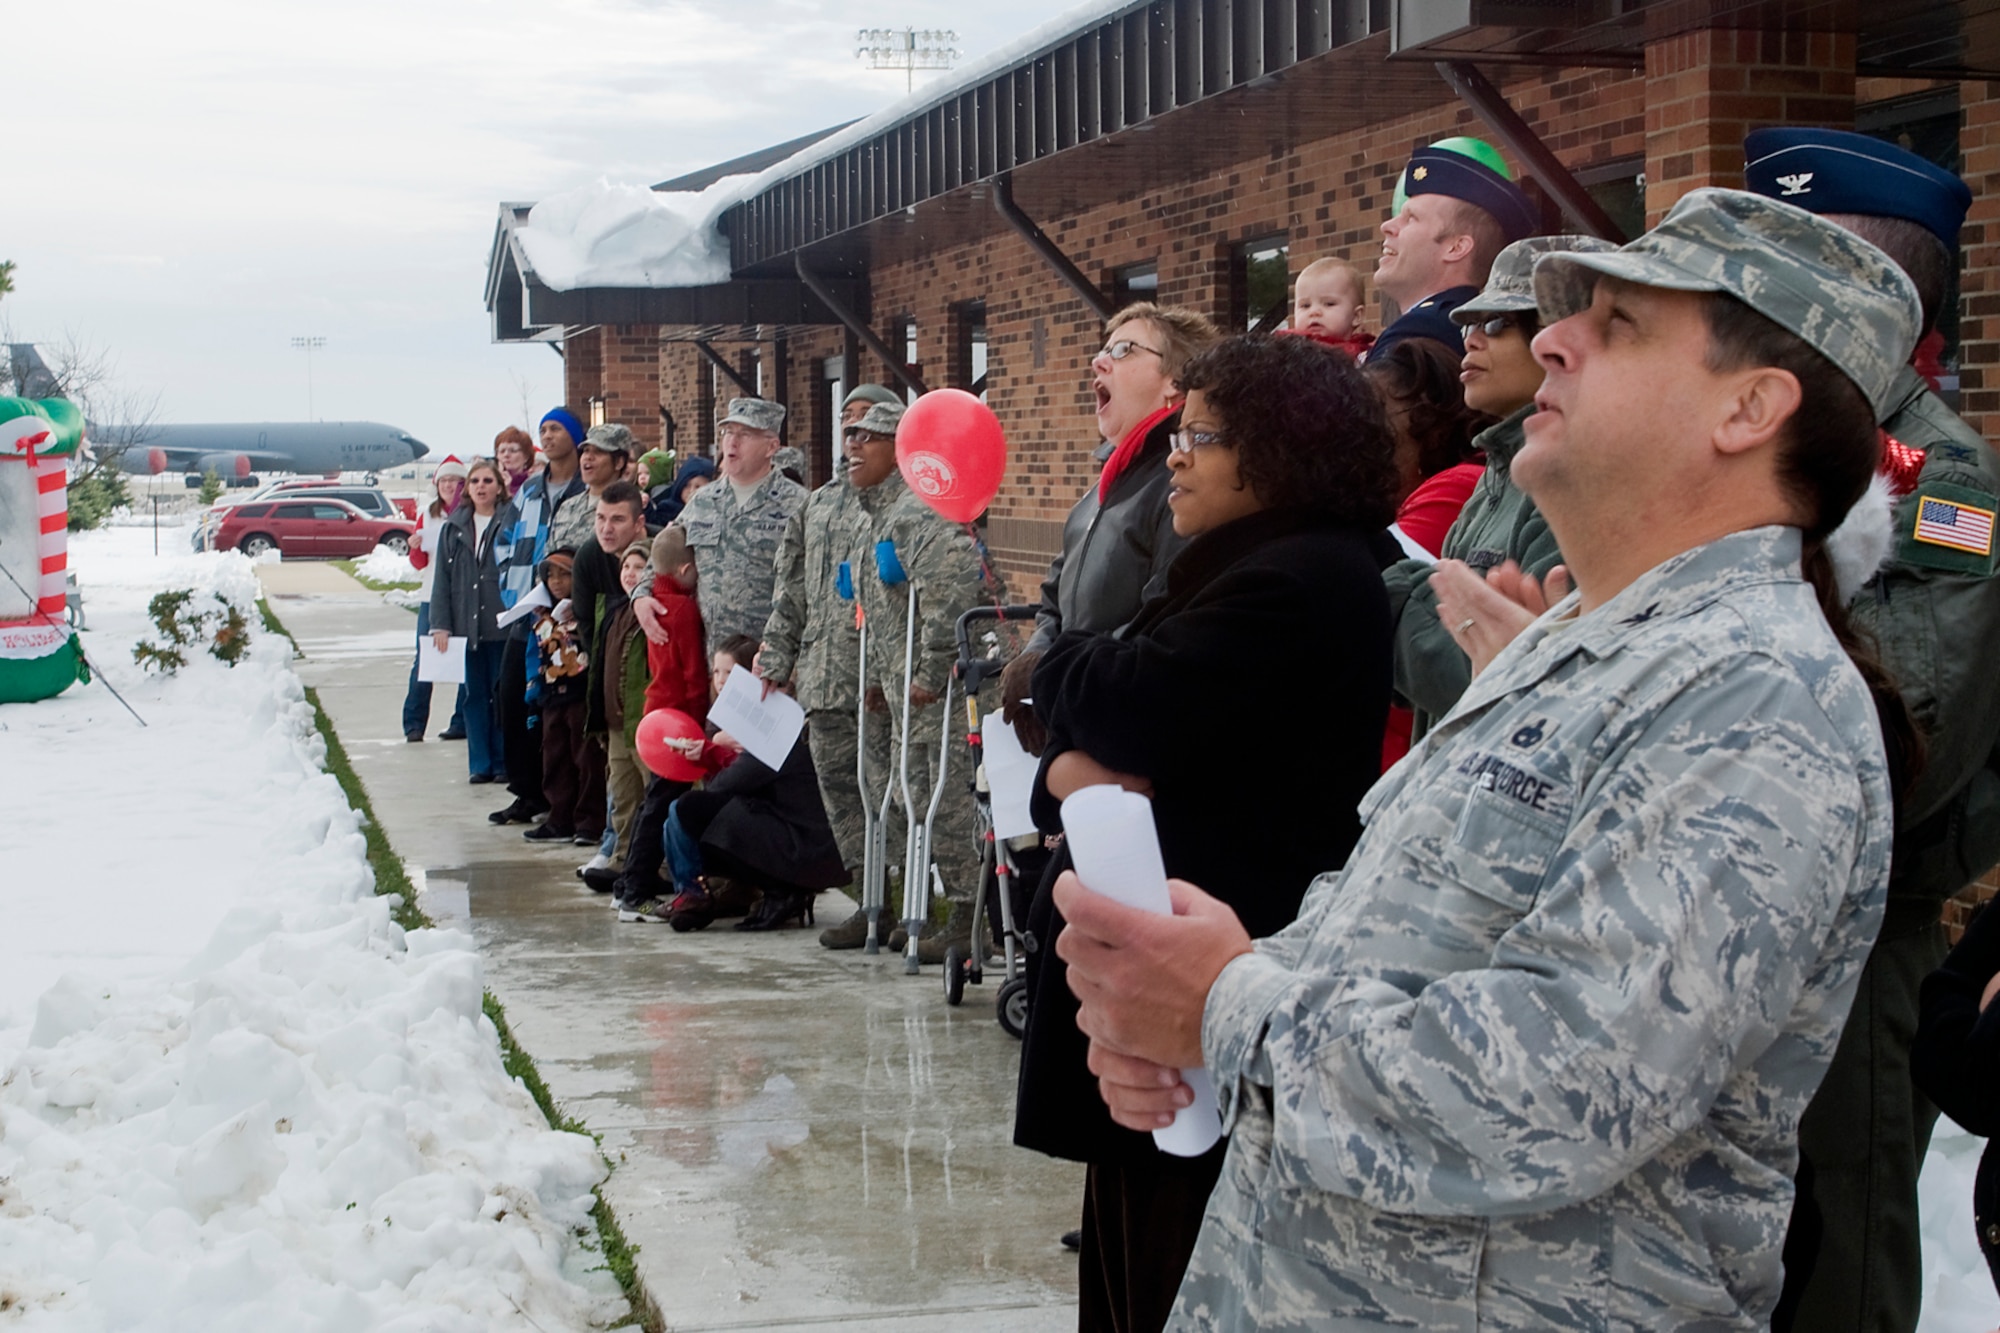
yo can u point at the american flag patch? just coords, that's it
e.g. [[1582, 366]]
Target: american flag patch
[[1961, 527]]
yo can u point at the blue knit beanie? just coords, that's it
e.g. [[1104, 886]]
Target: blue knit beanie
[[565, 418]]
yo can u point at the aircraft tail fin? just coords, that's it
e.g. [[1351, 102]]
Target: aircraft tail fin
[[32, 376]]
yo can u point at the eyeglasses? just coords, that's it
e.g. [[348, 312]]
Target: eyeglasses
[[1499, 324], [1124, 347], [860, 434], [482, 481], [1186, 441]]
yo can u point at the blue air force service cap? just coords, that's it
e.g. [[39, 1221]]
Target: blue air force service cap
[[1838, 171], [1441, 171]]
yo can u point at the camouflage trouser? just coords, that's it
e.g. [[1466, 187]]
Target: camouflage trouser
[[954, 845], [831, 735]]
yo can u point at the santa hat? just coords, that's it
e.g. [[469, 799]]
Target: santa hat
[[451, 467]]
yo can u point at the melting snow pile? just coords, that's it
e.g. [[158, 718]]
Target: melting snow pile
[[1958, 1292], [233, 1093], [609, 235], [384, 566]]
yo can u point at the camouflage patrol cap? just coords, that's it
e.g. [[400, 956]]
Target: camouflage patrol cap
[[612, 438], [789, 457], [881, 419], [870, 393], [1511, 284], [1840, 295], [756, 413]]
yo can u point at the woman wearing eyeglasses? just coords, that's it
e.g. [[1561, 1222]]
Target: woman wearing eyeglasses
[[465, 601], [1119, 539], [1499, 523], [1247, 701]]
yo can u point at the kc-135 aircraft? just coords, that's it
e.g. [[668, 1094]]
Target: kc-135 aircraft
[[233, 449]]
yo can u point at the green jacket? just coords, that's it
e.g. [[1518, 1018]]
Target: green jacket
[[1935, 614], [1498, 523], [810, 639], [937, 557]]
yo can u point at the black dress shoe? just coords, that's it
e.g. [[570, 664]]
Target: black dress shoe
[[522, 811], [452, 734], [414, 737], [543, 833], [778, 910], [478, 779], [601, 881], [1072, 1240]]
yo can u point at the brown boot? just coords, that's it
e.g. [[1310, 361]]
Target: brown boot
[[731, 898], [853, 932]]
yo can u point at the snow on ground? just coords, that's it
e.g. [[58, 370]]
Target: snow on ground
[[384, 566], [1958, 1291], [233, 1093]]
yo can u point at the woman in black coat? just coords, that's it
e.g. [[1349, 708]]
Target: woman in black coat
[[1248, 702], [1955, 1060]]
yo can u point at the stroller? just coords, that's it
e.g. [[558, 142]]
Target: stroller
[[1009, 874]]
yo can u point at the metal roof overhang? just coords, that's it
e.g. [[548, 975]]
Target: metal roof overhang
[[1943, 39], [525, 310], [1081, 123]]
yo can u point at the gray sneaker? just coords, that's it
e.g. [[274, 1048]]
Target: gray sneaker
[[651, 909]]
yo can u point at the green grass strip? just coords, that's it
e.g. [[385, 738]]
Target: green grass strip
[[390, 877], [277, 626], [352, 568]]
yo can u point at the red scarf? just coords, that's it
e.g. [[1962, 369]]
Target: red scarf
[[1128, 449]]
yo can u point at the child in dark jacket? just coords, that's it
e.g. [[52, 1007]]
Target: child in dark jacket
[[575, 794], [624, 680]]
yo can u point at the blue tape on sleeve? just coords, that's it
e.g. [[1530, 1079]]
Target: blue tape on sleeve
[[889, 565], [843, 581]]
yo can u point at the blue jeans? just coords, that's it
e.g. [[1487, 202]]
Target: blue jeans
[[417, 701], [484, 750], [683, 851]]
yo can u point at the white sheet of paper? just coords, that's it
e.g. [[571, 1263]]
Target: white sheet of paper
[[768, 728], [526, 606], [1010, 777], [441, 668], [1116, 851]]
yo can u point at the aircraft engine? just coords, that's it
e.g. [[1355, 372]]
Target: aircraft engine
[[156, 461], [224, 465]]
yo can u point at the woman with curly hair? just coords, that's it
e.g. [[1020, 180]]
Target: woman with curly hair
[[1437, 463], [1247, 700]]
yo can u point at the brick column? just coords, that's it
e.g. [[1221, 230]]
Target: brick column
[[631, 380], [1705, 90], [1979, 258], [583, 371]]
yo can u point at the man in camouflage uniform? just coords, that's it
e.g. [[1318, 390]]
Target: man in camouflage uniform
[[1854, 1258], [1535, 1057], [1499, 522], [734, 526], [941, 563], [812, 647]]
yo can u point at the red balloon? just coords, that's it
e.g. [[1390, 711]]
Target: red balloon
[[655, 730], [953, 453]]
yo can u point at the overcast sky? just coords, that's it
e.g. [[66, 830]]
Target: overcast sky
[[191, 186]]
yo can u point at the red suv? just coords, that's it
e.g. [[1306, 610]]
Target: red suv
[[317, 526]]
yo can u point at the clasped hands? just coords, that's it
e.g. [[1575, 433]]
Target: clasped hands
[[1484, 614]]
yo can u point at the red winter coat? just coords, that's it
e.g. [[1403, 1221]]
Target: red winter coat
[[679, 666]]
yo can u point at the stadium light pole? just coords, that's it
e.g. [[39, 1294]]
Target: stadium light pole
[[907, 49], [309, 346]]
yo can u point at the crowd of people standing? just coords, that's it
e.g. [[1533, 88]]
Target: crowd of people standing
[[1600, 645]]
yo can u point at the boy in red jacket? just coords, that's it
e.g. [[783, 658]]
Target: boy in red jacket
[[679, 671]]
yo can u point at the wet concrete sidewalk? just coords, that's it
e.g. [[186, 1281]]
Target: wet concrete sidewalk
[[802, 1137]]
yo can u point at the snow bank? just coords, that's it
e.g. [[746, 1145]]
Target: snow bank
[[1958, 1290], [612, 235], [385, 566], [233, 1093]]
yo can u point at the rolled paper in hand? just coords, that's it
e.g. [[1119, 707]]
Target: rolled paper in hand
[[1116, 853]]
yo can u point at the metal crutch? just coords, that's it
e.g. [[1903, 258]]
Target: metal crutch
[[874, 828], [922, 848], [889, 567]]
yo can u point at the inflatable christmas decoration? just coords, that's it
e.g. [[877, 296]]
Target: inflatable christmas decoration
[[39, 653]]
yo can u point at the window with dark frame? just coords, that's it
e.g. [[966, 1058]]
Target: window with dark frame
[[968, 353], [1260, 286], [1134, 282]]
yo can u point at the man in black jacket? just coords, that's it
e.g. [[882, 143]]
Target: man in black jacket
[[1119, 539]]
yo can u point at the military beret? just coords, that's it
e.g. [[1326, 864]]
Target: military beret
[[870, 393], [756, 413], [1838, 171], [1441, 171], [1510, 287], [1839, 294]]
